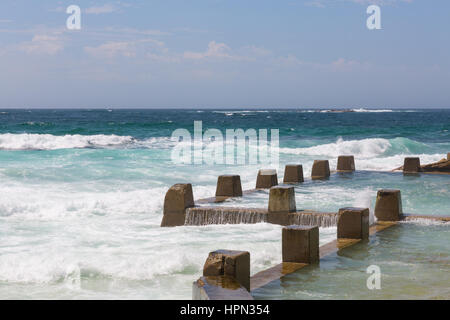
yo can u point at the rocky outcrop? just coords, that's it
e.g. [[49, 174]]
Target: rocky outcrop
[[438, 167], [442, 166]]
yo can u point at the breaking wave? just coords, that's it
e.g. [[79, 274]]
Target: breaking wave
[[31, 141], [365, 148]]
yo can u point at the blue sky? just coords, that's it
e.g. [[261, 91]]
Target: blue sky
[[225, 53]]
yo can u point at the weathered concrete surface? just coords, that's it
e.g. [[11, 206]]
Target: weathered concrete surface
[[346, 164], [320, 169], [274, 273], [219, 288], [300, 244], [353, 223], [229, 186], [267, 178], [281, 203], [178, 198], [293, 173], [388, 206], [235, 264], [411, 165]]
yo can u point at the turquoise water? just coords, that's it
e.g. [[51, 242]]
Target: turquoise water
[[81, 192], [411, 267]]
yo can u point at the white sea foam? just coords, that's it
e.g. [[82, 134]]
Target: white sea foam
[[31, 141], [365, 148], [28, 141], [372, 110]]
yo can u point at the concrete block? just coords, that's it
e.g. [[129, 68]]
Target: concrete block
[[293, 173], [266, 179], [411, 165], [231, 263], [353, 223], [346, 164], [281, 203], [229, 186], [300, 244], [389, 205], [320, 169], [178, 198]]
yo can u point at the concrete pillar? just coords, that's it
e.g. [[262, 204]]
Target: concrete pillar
[[320, 169], [177, 200], [389, 205], [293, 173], [235, 264], [411, 165], [281, 203], [300, 244], [353, 223], [266, 179], [346, 164], [229, 186]]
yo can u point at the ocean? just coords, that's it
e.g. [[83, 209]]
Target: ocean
[[81, 195]]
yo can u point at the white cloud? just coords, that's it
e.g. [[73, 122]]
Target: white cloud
[[107, 8], [112, 49], [214, 50], [42, 44], [129, 49]]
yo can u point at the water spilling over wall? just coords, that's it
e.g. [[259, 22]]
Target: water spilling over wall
[[211, 215], [323, 220], [200, 216]]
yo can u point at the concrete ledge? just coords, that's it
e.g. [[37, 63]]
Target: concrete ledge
[[346, 164], [409, 217], [300, 244], [320, 169], [178, 198], [388, 206], [293, 173], [219, 288], [267, 178], [353, 223], [235, 264], [229, 186]]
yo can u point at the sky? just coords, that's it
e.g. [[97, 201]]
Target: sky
[[225, 54]]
